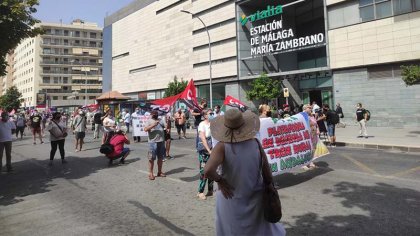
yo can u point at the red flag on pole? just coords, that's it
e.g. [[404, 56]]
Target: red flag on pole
[[233, 102], [189, 96]]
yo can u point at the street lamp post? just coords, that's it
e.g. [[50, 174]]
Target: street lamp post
[[86, 81], [208, 35]]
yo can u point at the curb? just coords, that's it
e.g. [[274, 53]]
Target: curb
[[380, 147]]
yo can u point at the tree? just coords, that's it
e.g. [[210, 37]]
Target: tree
[[263, 88], [16, 23], [410, 74], [11, 100], [175, 87]]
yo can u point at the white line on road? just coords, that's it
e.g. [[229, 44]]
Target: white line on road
[[169, 178]]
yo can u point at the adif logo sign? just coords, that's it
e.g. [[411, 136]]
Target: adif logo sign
[[260, 15]]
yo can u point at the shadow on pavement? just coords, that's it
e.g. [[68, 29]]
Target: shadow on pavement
[[191, 179], [27, 180], [389, 210], [149, 212], [178, 170], [291, 179]]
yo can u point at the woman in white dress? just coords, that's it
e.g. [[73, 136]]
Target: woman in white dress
[[239, 209]]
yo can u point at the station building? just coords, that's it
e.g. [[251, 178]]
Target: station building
[[328, 51]]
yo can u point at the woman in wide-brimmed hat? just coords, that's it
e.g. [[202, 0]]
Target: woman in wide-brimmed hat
[[239, 201]]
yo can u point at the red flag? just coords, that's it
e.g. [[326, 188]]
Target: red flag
[[233, 102], [189, 96], [169, 101]]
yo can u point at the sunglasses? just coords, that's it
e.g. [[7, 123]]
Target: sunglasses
[[211, 113]]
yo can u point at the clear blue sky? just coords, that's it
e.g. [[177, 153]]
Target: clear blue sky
[[68, 10]]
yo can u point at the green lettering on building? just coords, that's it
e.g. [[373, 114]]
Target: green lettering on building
[[261, 15]]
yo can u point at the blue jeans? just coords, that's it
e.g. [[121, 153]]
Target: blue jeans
[[331, 130]]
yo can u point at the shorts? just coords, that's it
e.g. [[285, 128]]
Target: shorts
[[80, 135], [122, 154], [331, 130], [180, 127], [156, 150], [36, 130], [167, 136]]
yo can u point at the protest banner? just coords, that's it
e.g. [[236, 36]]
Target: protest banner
[[138, 122], [287, 142]]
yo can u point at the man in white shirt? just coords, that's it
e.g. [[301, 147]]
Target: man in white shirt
[[127, 119], [217, 111], [6, 127]]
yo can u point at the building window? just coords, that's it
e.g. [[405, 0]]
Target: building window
[[417, 4], [92, 35], [55, 98], [56, 80], [402, 6], [383, 9], [65, 80]]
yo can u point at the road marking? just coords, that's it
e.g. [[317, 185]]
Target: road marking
[[169, 178], [405, 172], [361, 165]]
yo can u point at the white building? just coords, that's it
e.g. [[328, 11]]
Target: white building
[[61, 68], [333, 51]]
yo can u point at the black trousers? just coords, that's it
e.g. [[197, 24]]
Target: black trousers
[[54, 144]]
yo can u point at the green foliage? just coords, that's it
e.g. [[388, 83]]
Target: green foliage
[[410, 74], [263, 88], [11, 100], [175, 87], [16, 23]]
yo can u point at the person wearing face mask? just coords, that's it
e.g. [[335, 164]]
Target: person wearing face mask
[[156, 129], [264, 110], [135, 116], [98, 123], [217, 111], [35, 121], [6, 127], [79, 129], [127, 119], [198, 115], [58, 134], [108, 125], [204, 150]]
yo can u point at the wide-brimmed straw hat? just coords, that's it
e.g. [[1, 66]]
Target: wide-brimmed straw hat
[[235, 126]]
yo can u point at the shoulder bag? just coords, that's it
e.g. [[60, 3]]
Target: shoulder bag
[[271, 200], [63, 133]]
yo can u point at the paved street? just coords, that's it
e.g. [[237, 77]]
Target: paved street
[[352, 192]]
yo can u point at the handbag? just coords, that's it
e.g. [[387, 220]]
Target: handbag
[[63, 133], [201, 147], [271, 200]]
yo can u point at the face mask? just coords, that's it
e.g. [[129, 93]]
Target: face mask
[[80, 112], [155, 117], [137, 111], [211, 117], [268, 113]]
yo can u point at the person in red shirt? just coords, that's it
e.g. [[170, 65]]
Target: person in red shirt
[[118, 141]]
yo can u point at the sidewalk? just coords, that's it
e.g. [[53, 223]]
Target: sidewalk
[[401, 139]]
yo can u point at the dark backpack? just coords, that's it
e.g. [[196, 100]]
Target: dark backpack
[[367, 112], [107, 148], [334, 118]]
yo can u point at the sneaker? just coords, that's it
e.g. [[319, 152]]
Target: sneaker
[[171, 157], [184, 137], [122, 161], [42, 142], [164, 159]]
